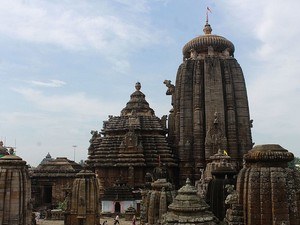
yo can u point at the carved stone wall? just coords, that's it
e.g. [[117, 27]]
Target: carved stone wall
[[15, 206], [210, 105], [83, 201], [267, 189], [131, 145]]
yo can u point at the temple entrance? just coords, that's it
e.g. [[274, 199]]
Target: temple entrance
[[48, 194], [117, 207]]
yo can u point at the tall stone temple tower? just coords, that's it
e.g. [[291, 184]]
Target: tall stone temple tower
[[210, 105]]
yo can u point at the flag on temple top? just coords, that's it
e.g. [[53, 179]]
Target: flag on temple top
[[208, 9], [225, 152]]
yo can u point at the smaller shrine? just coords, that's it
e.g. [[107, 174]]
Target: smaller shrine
[[83, 201], [188, 208], [267, 190], [220, 159], [15, 205], [50, 181]]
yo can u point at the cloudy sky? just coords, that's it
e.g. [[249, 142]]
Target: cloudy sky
[[66, 65]]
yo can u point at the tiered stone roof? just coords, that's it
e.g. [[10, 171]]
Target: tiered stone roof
[[135, 138], [188, 208], [119, 192], [59, 167]]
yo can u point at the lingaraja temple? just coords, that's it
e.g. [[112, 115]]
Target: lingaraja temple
[[138, 161], [210, 105]]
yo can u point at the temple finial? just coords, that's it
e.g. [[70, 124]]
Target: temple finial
[[207, 29], [138, 86], [207, 11]]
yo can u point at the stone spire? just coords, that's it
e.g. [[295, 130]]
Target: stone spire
[[15, 190], [188, 208], [83, 203], [210, 105]]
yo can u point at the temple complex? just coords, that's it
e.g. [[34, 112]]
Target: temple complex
[[51, 179], [210, 106], [131, 145], [137, 161]]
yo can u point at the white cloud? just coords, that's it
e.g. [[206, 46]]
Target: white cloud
[[273, 87], [51, 83], [82, 26], [69, 26], [77, 103]]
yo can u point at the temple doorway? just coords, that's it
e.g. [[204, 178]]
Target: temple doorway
[[48, 194], [117, 207]]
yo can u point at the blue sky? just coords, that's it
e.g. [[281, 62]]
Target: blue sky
[[66, 65]]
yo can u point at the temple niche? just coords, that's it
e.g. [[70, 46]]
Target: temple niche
[[210, 106], [130, 146]]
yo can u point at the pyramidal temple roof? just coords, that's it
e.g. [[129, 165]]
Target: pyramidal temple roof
[[137, 104], [135, 138], [59, 167]]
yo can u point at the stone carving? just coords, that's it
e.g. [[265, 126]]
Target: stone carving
[[170, 90], [193, 54], [232, 196], [215, 138]]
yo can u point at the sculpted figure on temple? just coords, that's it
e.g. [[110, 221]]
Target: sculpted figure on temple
[[170, 90], [215, 138], [232, 196], [193, 54]]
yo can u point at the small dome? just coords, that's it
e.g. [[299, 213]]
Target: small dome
[[268, 153], [201, 43]]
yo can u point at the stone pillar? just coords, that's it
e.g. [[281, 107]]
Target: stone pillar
[[217, 193], [84, 200], [15, 191], [162, 203], [267, 189]]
